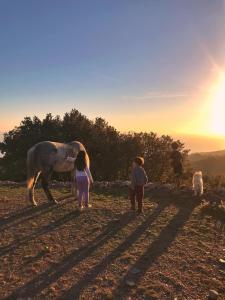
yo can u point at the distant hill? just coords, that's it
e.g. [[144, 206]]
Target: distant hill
[[203, 155], [211, 163]]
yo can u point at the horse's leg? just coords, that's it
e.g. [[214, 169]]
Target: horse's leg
[[31, 190], [73, 184], [30, 187], [45, 185]]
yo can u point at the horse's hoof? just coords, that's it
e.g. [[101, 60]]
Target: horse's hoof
[[34, 203], [53, 201]]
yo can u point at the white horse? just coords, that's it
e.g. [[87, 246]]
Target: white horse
[[44, 158]]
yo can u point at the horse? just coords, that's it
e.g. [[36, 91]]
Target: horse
[[44, 158]]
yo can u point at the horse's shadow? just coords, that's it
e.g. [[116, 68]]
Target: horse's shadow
[[155, 250], [29, 212], [43, 280], [41, 231]]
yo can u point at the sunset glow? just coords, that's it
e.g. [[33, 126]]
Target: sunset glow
[[218, 108], [119, 60]]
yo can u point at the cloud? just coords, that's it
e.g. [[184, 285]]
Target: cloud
[[156, 95]]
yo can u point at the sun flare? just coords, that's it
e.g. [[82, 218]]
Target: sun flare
[[218, 108]]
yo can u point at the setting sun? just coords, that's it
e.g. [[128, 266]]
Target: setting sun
[[218, 108]]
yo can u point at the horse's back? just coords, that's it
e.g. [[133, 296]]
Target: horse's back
[[53, 154], [65, 150], [42, 155], [43, 147]]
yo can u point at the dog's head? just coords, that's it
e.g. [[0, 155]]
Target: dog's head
[[197, 175]]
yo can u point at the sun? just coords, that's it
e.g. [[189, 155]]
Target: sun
[[218, 108]]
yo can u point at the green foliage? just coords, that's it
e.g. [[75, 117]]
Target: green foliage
[[111, 152]]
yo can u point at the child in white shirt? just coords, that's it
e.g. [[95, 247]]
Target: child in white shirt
[[83, 178]]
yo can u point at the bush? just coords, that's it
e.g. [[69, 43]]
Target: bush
[[111, 152]]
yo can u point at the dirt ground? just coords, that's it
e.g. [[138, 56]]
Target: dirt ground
[[172, 251]]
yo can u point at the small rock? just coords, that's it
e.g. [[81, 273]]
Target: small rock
[[130, 283], [47, 249], [28, 256], [213, 295], [52, 288], [215, 281], [222, 261], [135, 271]]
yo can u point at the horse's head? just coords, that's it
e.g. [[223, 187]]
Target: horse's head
[[76, 147]]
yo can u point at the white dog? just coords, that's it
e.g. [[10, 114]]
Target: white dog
[[197, 182]]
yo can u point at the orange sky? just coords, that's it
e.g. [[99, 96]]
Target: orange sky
[[141, 66]]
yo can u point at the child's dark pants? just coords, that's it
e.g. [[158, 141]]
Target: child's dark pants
[[137, 194]]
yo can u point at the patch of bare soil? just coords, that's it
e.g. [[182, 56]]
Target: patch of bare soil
[[106, 252]]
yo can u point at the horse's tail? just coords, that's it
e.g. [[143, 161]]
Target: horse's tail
[[31, 168]]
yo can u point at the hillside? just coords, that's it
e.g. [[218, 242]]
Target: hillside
[[107, 252], [211, 163], [204, 155]]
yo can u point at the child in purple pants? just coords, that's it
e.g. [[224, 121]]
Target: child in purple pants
[[83, 179]]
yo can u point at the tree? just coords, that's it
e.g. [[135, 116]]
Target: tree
[[110, 151]]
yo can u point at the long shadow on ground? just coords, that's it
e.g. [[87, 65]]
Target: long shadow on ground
[[154, 251], [43, 230], [30, 212], [76, 290], [43, 280]]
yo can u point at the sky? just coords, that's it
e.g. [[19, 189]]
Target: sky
[[142, 65]]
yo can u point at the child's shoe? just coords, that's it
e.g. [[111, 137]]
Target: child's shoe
[[88, 206], [140, 211], [80, 207]]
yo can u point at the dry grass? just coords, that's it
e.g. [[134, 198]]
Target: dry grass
[[55, 252], [214, 207]]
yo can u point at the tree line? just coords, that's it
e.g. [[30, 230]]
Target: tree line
[[111, 152]]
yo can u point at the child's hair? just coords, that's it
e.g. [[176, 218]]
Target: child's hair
[[174, 145], [139, 160], [81, 161]]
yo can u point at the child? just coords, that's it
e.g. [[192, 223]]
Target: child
[[138, 181], [176, 163], [83, 179]]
